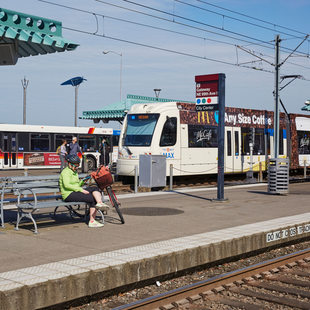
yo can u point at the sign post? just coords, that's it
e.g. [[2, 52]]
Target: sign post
[[210, 96]]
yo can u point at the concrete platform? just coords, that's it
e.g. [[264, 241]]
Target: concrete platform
[[163, 233]]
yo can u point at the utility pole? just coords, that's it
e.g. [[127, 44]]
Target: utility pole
[[76, 104], [25, 85], [276, 98]]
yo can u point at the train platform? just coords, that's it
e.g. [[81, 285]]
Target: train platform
[[165, 232]]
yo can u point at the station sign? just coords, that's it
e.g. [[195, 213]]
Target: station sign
[[207, 92]]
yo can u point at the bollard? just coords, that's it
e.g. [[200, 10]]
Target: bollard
[[260, 176], [305, 169], [84, 164], [136, 179], [171, 178], [26, 172]]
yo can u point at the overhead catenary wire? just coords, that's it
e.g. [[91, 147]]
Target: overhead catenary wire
[[251, 17], [234, 18], [164, 49], [162, 29], [168, 20], [198, 22]]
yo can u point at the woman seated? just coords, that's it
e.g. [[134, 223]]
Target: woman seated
[[72, 190]]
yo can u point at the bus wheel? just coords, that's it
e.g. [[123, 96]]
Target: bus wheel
[[91, 164]]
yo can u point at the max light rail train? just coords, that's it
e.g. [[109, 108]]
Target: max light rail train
[[188, 138]]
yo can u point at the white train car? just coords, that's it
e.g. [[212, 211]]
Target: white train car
[[188, 138]]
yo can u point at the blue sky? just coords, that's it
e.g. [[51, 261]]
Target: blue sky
[[144, 68]]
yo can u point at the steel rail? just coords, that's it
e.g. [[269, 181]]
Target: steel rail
[[212, 283]]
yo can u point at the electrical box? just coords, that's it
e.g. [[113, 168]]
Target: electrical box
[[152, 171]]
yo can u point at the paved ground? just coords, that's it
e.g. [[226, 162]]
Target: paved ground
[[150, 217]]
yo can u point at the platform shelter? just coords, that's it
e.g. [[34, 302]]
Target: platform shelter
[[23, 35], [117, 111]]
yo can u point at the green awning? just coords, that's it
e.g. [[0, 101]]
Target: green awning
[[117, 111], [23, 35]]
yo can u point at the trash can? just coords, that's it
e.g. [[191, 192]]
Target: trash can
[[278, 176], [152, 171]]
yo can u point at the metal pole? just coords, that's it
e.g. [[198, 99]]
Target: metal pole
[[136, 179], [171, 177], [276, 98], [305, 169], [76, 105], [221, 135], [260, 175], [120, 79], [25, 85]]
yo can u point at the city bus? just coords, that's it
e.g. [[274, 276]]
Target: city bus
[[34, 146]]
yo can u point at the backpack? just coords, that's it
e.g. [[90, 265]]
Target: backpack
[[102, 177], [58, 149]]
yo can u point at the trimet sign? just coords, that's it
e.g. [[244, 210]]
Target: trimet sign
[[207, 92]]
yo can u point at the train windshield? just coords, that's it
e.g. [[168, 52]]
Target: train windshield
[[140, 129]]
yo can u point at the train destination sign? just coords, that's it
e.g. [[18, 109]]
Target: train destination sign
[[207, 93]]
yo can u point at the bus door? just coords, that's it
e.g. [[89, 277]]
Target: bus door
[[9, 150], [232, 149]]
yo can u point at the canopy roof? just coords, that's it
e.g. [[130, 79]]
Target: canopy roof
[[23, 35], [306, 108], [117, 111]]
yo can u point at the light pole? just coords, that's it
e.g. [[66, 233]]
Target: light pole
[[25, 85], [157, 91], [76, 81], [120, 74]]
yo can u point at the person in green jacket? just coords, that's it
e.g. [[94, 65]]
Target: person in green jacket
[[72, 191]]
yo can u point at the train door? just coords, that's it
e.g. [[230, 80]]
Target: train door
[[232, 149], [9, 150]]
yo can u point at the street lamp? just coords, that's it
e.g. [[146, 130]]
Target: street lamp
[[121, 69], [76, 81], [157, 91]]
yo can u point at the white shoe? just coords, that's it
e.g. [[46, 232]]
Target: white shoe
[[95, 224], [102, 206]]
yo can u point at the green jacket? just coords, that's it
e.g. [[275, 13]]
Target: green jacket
[[69, 182]]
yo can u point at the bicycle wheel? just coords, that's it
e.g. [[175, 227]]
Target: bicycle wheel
[[115, 203]]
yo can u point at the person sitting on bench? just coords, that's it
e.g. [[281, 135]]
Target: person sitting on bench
[[72, 190]]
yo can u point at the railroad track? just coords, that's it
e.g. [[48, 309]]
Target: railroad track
[[281, 283]]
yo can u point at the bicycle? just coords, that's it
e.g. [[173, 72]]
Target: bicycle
[[114, 202], [104, 180]]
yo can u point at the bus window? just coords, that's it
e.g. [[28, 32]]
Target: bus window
[[228, 143], [202, 136], [58, 139], [87, 143], [115, 140], [39, 142], [23, 141], [169, 133], [140, 129]]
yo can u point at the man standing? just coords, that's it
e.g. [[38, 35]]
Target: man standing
[[104, 151], [63, 154], [74, 147]]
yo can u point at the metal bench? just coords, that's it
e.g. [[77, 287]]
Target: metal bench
[[35, 193]]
